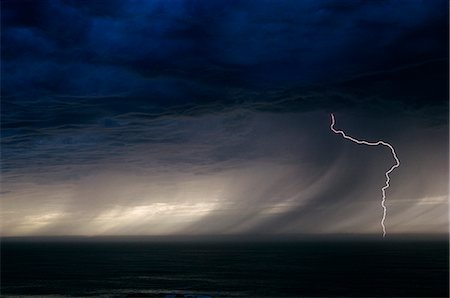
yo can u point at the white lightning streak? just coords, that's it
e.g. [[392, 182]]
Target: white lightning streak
[[388, 179]]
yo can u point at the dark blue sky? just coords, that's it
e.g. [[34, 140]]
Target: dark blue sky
[[171, 98]]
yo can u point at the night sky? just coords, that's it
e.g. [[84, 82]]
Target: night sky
[[212, 117]]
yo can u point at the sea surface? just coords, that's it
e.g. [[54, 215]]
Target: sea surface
[[118, 268]]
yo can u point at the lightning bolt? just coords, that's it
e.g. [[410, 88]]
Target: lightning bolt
[[388, 179]]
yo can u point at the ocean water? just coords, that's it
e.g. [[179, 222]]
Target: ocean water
[[43, 268]]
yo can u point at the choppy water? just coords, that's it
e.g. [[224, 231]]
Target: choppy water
[[225, 269]]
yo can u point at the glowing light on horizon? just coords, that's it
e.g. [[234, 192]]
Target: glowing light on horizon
[[388, 179]]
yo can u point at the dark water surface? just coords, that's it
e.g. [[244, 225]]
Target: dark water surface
[[225, 269]]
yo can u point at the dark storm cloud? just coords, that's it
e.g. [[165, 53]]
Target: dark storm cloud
[[74, 46], [102, 59], [112, 106], [87, 129]]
